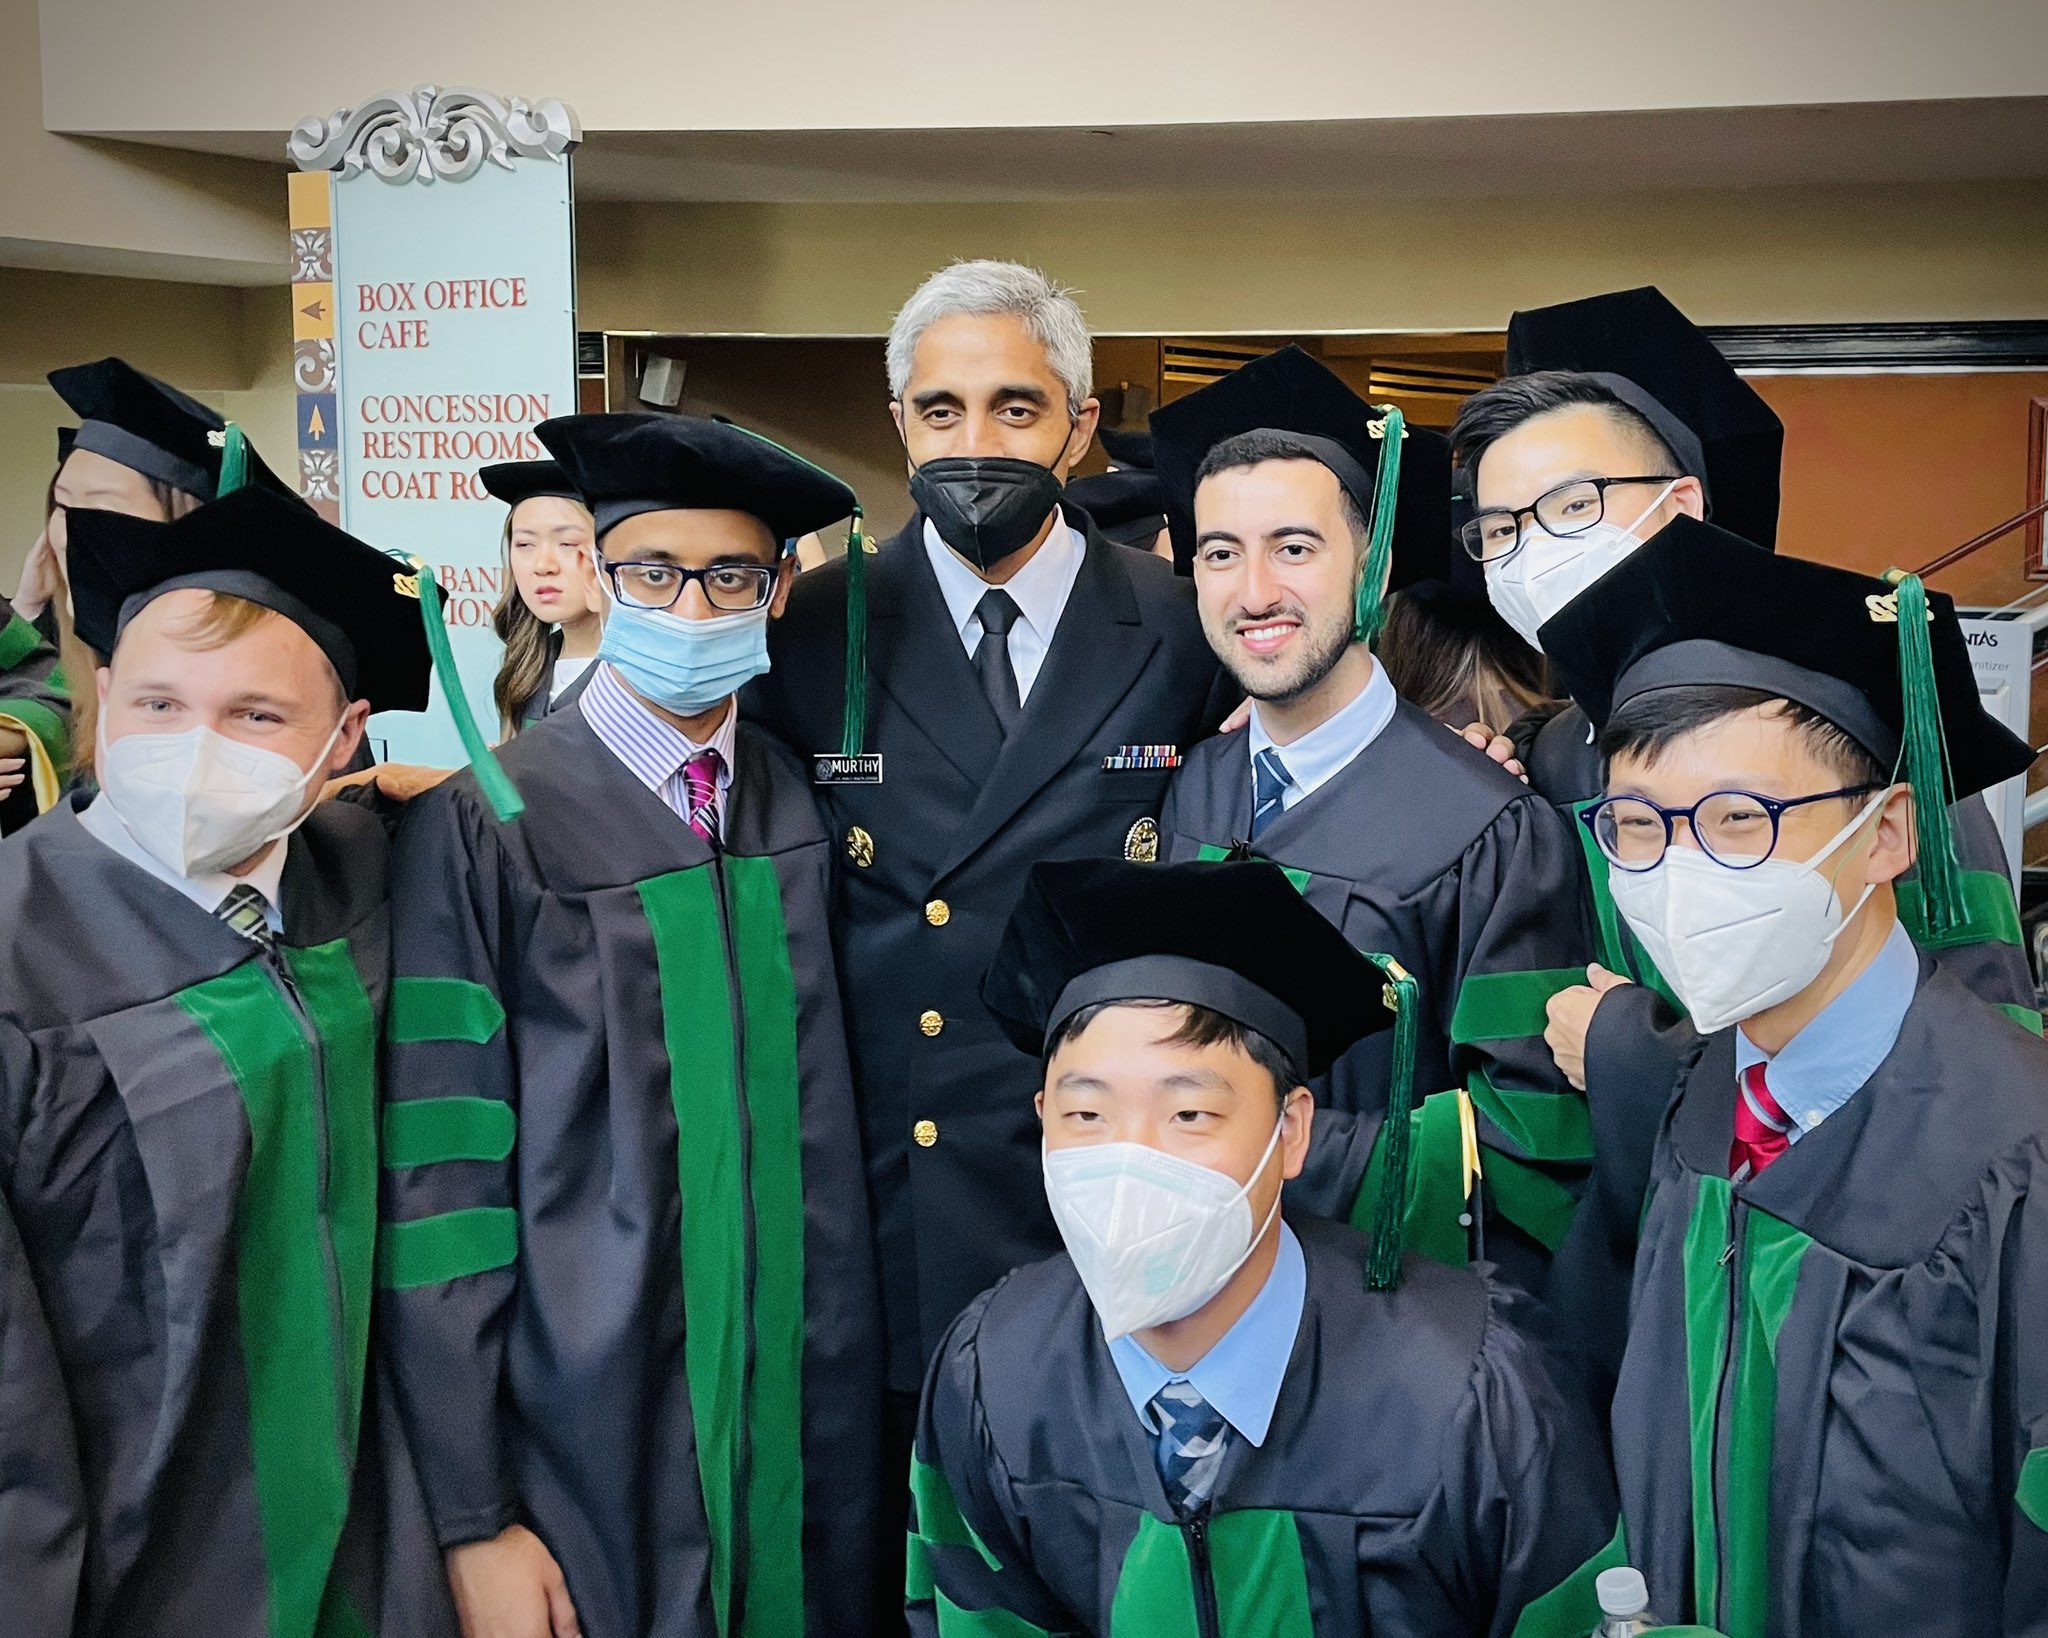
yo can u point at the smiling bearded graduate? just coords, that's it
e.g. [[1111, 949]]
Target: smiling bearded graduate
[[1302, 504]]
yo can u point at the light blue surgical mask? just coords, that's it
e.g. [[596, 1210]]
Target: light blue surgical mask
[[684, 666]]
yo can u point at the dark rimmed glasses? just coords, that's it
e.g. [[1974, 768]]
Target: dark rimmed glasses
[[1738, 829], [1569, 509], [730, 588]]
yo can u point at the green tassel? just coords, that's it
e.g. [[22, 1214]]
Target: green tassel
[[1923, 755], [234, 461], [854, 723], [1403, 998], [1370, 613], [491, 778]]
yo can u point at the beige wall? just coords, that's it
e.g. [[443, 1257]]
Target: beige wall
[[1795, 254], [246, 65], [116, 207]]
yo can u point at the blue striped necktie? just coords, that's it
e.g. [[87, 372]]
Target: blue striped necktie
[[1270, 780]]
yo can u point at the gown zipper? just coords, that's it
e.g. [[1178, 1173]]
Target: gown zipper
[[1724, 1392], [1207, 1621], [274, 962]]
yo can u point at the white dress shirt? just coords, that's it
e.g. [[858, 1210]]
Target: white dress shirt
[[1040, 590], [1330, 747], [209, 891]]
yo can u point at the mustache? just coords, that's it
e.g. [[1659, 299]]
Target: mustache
[[1240, 618]]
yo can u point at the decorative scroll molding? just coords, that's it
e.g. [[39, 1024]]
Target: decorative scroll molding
[[434, 134]]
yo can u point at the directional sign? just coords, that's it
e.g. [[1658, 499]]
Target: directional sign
[[312, 312]]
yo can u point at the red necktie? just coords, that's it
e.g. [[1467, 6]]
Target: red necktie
[[1762, 1129]]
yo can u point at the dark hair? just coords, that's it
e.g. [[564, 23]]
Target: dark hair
[[1441, 651], [1648, 725], [1493, 412], [1199, 1027], [1263, 444]]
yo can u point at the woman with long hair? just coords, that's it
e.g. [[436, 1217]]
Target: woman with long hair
[[548, 617], [1450, 655]]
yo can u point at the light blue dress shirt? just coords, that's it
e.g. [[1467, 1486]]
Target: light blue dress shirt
[[1327, 749], [1240, 1377], [1827, 1063]]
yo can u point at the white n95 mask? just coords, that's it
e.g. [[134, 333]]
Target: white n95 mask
[[1152, 1236], [1735, 942], [1548, 571], [198, 801]]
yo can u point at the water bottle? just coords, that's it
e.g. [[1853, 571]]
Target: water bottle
[[1624, 1604]]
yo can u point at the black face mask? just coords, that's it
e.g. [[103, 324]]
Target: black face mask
[[985, 507]]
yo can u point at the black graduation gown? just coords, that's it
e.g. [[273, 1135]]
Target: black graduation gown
[[188, 1212], [1422, 1473], [1832, 1416], [626, 1233], [1423, 849], [33, 701], [932, 861]]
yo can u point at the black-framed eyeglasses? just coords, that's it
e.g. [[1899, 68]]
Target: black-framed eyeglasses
[[1569, 509], [730, 588], [1738, 829]]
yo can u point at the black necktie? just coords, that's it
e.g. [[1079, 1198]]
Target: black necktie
[[997, 611]]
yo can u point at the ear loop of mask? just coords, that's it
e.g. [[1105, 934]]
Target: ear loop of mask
[[1073, 425], [1258, 1171], [1656, 501], [1874, 806]]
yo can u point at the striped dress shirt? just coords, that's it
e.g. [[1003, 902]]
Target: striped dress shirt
[[652, 750]]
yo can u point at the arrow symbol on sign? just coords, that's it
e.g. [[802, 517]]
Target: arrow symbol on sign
[[315, 310], [315, 424]]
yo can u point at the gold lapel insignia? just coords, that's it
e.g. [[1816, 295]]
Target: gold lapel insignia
[[219, 440], [406, 585], [860, 847], [1141, 843]]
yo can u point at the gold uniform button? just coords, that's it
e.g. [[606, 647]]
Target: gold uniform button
[[931, 1023], [925, 1133], [938, 912]]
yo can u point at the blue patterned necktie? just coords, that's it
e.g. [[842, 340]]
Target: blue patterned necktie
[[1270, 780], [1192, 1438], [246, 910]]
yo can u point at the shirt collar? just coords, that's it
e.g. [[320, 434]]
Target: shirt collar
[[1828, 1061], [1329, 747], [651, 749], [100, 821], [1240, 1377], [1039, 589]]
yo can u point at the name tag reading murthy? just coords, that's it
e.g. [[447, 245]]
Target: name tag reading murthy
[[847, 770]]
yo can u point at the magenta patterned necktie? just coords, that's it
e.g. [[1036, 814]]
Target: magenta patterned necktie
[[700, 793], [1763, 1131]]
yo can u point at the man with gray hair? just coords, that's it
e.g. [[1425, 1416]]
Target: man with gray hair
[[1028, 688]]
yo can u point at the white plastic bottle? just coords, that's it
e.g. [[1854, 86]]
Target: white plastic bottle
[[1624, 1603]]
